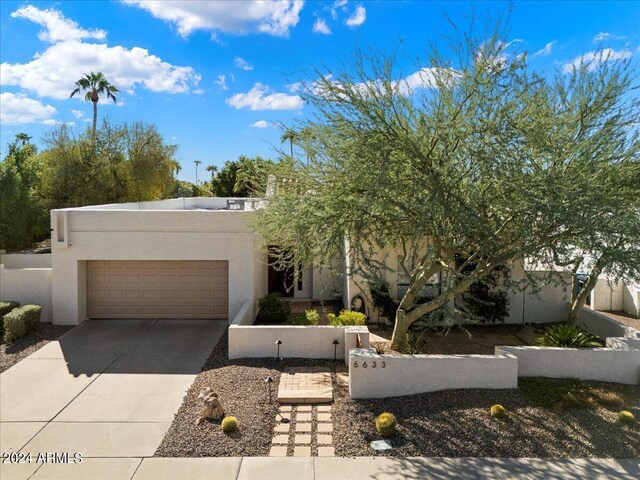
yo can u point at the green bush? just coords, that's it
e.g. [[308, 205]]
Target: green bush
[[568, 336], [347, 318], [309, 317], [415, 344], [21, 321], [273, 309], [6, 307]]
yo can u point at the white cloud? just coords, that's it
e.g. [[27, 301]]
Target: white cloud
[[357, 18], [607, 36], [18, 108], [260, 124], [52, 72], [221, 81], [52, 123], [242, 63], [321, 27], [273, 17], [77, 113], [57, 28], [256, 99], [543, 52], [338, 4], [594, 58]]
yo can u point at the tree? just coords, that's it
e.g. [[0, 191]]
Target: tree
[[467, 166], [245, 177], [95, 85], [290, 136]]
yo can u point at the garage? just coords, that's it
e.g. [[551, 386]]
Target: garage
[[158, 289]]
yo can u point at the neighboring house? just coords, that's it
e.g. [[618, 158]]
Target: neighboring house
[[195, 258]]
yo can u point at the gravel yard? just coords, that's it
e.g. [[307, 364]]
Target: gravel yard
[[12, 353], [623, 317], [457, 424], [243, 393]]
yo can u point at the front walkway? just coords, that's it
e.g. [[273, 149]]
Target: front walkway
[[107, 388], [327, 468]]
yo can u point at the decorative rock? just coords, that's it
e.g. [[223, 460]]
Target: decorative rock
[[212, 408], [381, 445]]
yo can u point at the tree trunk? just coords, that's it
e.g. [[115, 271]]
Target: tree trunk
[[579, 301], [400, 330], [95, 117], [291, 144]]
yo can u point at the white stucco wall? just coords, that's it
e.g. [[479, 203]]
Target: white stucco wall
[[119, 234], [397, 375], [25, 260], [631, 299], [27, 286], [259, 341], [599, 364], [607, 295], [603, 326]]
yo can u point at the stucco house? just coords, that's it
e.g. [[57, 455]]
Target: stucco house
[[189, 258]]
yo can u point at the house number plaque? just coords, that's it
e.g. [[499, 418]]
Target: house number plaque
[[374, 364]]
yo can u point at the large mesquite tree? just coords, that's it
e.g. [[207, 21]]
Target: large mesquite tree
[[465, 166]]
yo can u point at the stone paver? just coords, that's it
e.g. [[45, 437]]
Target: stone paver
[[324, 439], [302, 439], [301, 451], [278, 451], [325, 428], [220, 468], [326, 452], [282, 428], [303, 427], [90, 468], [280, 440], [305, 385]]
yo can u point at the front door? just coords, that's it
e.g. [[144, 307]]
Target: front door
[[280, 281]]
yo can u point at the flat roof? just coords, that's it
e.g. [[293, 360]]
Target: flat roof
[[181, 204]]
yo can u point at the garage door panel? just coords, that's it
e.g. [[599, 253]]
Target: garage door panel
[[157, 289]]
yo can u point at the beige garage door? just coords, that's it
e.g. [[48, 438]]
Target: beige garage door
[[157, 289]]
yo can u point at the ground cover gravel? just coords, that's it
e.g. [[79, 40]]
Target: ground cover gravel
[[12, 353]]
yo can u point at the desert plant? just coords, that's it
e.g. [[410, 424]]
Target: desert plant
[[347, 318], [21, 321], [498, 411], [626, 416], [386, 424], [229, 424], [312, 316], [568, 336], [414, 344], [303, 318], [273, 309]]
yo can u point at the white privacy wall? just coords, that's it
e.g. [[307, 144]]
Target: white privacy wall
[[27, 286], [603, 326], [599, 364], [259, 341], [379, 376]]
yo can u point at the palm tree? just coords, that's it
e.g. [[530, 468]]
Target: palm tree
[[290, 136], [213, 169], [175, 167], [197, 162], [23, 137], [95, 84]]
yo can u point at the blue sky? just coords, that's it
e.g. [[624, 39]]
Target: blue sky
[[216, 77]]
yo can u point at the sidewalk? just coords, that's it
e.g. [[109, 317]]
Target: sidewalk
[[323, 468]]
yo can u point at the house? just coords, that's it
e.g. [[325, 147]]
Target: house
[[178, 258]]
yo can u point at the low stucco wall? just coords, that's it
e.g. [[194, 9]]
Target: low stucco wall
[[259, 341], [602, 326], [379, 376], [245, 316], [27, 285], [599, 364], [25, 260]]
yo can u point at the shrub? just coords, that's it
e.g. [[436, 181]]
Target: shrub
[[6, 307], [229, 424], [386, 424], [273, 309], [498, 411], [347, 318], [414, 344], [626, 416], [382, 299], [309, 317], [569, 336], [21, 321]]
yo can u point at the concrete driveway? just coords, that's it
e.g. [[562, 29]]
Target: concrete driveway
[[107, 388]]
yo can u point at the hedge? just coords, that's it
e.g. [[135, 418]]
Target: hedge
[[6, 307], [21, 321]]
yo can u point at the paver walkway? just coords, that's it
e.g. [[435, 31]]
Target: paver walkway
[[309, 432], [305, 385]]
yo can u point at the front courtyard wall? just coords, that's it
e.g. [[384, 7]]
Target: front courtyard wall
[[27, 286], [150, 235]]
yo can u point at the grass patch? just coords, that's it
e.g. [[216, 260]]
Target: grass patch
[[563, 394]]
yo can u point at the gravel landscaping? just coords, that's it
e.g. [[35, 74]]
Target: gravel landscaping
[[241, 388], [623, 317], [458, 424], [12, 353]]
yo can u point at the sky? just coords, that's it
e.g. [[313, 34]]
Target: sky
[[219, 79]]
